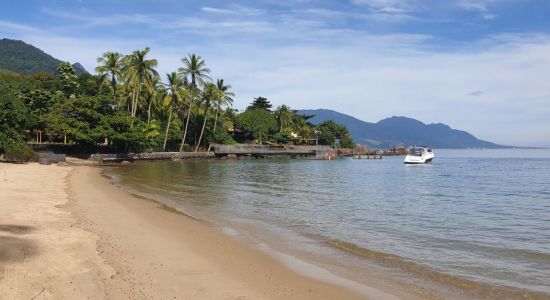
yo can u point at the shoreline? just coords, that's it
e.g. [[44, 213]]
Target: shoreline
[[387, 272], [237, 258], [69, 233]]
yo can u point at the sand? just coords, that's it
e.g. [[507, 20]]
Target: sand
[[44, 253], [67, 233]]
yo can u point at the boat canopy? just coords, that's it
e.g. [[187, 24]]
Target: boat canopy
[[415, 151]]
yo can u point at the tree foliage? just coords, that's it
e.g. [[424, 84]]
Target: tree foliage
[[127, 107], [259, 122], [330, 132], [260, 103]]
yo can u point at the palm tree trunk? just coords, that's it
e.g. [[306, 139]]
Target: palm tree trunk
[[113, 85], [186, 125], [135, 102], [216, 120], [202, 130], [167, 129], [128, 103], [149, 111], [215, 123], [189, 113]]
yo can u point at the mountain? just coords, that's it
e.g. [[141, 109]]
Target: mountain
[[78, 68], [400, 131], [20, 57]]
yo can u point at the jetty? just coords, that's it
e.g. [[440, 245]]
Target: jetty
[[264, 151], [236, 151], [152, 156]]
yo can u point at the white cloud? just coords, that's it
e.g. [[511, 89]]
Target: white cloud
[[388, 6], [234, 10], [475, 5], [109, 20], [6, 25]]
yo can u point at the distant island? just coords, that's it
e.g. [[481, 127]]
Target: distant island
[[400, 131]]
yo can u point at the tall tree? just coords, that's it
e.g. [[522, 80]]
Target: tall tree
[[260, 103], [284, 116], [138, 67], [330, 131], [226, 98], [210, 94], [195, 68], [154, 89], [258, 122], [110, 63], [176, 93], [68, 78]]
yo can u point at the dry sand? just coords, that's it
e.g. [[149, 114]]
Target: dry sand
[[66, 233], [44, 253]]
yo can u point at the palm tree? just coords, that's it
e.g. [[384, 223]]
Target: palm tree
[[176, 94], [154, 88], [209, 95], [284, 116], [125, 89], [138, 69], [110, 64], [226, 98], [194, 67]]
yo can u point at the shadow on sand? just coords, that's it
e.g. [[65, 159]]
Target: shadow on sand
[[15, 248]]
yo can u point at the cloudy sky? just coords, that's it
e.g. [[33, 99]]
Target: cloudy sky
[[477, 65]]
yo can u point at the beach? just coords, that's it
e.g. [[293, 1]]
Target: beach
[[67, 233]]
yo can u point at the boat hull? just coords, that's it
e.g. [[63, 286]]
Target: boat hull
[[418, 162]]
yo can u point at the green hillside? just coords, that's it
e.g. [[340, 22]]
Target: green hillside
[[20, 57]]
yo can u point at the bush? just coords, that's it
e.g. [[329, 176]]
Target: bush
[[18, 152], [222, 137], [283, 137]]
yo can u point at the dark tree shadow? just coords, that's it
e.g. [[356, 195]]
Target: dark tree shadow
[[16, 229], [15, 249]]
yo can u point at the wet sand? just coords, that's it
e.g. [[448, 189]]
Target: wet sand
[[67, 233]]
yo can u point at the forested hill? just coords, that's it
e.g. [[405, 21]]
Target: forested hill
[[20, 57], [400, 131]]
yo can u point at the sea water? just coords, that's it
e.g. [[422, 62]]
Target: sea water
[[473, 219]]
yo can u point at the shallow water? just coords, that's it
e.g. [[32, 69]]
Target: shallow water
[[478, 215]]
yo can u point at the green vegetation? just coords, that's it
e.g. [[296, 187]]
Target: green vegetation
[[259, 103], [128, 108], [22, 58], [331, 133], [258, 122]]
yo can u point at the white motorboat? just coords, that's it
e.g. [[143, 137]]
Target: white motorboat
[[419, 155]]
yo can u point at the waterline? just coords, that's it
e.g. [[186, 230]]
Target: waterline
[[478, 217]]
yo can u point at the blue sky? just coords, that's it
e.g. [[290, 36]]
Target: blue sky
[[478, 65]]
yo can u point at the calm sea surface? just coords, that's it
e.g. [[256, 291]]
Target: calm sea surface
[[482, 216]]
